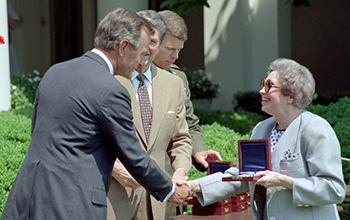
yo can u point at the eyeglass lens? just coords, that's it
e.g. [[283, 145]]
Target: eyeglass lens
[[266, 84]]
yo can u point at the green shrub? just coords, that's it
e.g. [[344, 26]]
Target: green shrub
[[14, 142], [326, 98], [241, 121], [27, 84], [201, 86], [18, 97], [248, 101], [221, 139]]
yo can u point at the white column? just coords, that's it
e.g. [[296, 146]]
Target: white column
[[5, 96], [241, 38]]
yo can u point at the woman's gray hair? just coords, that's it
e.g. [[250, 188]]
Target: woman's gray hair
[[296, 81], [155, 20], [118, 25]]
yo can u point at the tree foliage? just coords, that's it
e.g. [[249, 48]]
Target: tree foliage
[[184, 6]]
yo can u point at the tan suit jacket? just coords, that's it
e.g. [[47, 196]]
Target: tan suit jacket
[[169, 137]]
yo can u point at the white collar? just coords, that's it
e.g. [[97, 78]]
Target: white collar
[[105, 58]]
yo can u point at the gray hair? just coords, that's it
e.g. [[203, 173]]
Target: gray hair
[[155, 20], [118, 25], [296, 81], [175, 24]]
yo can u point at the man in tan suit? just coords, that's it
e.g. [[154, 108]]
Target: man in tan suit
[[173, 42], [169, 136]]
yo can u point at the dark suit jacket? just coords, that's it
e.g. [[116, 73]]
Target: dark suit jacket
[[82, 121]]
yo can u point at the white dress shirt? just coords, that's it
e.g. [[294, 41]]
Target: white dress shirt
[[105, 58], [148, 83]]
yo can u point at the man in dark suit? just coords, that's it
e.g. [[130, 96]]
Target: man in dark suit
[[82, 122]]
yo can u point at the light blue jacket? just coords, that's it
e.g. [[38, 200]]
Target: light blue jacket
[[316, 168]]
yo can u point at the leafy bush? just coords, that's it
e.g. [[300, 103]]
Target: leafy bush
[[326, 98], [18, 97], [221, 139], [14, 142], [200, 85], [249, 101], [27, 84], [241, 121], [23, 90]]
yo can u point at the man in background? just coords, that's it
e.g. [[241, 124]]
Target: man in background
[[82, 122], [164, 135], [175, 37]]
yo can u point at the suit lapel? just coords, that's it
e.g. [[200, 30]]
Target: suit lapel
[[159, 89], [288, 141], [135, 108]]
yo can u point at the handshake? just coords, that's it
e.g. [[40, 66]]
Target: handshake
[[183, 189]]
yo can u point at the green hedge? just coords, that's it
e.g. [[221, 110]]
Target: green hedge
[[221, 139], [221, 130], [14, 142], [241, 121]]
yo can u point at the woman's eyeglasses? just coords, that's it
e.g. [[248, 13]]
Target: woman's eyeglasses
[[268, 85]]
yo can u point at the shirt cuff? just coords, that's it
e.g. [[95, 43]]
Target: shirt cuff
[[170, 194]]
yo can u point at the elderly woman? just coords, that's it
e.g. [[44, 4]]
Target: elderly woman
[[306, 181]]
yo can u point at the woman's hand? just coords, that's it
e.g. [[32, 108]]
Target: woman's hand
[[193, 185], [268, 178]]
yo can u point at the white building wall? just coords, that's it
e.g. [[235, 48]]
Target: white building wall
[[5, 97], [106, 6], [241, 38]]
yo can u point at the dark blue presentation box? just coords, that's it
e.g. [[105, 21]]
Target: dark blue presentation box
[[253, 156]]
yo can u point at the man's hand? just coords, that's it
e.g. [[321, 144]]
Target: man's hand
[[203, 157], [123, 176], [181, 193]]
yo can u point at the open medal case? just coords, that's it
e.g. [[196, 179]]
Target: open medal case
[[253, 156], [219, 166]]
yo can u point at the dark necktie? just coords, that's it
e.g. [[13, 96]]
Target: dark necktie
[[145, 106]]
